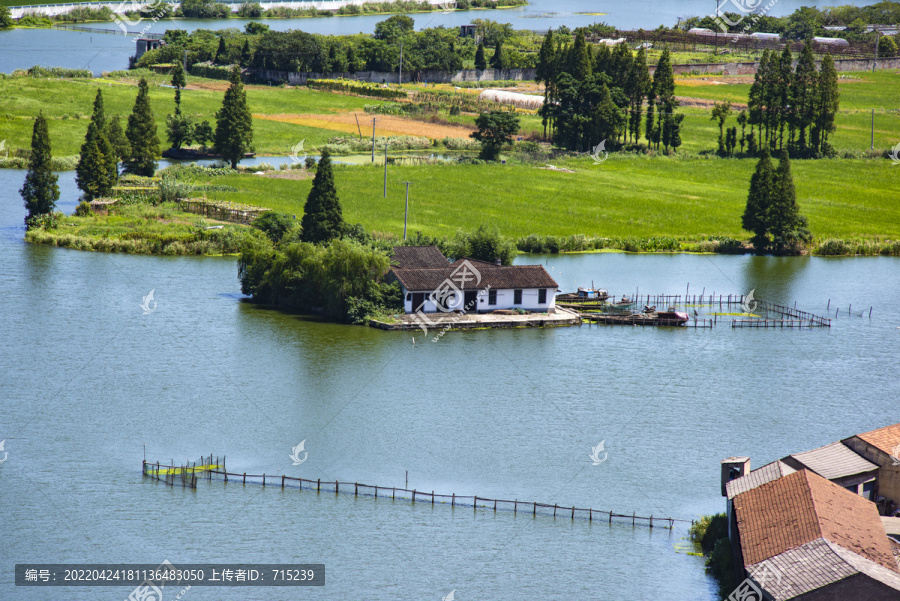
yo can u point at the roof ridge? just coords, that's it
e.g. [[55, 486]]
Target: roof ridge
[[812, 500]]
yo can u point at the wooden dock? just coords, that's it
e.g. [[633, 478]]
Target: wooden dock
[[190, 475]]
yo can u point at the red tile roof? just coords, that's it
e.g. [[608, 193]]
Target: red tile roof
[[477, 275], [801, 507], [885, 439]]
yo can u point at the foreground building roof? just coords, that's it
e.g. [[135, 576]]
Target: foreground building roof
[[767, 473], [884, 439], [818, 564], [799, 508]]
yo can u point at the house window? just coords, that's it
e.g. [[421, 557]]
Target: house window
[[409, 296], [517, 297], [542, 296], [492, 297]]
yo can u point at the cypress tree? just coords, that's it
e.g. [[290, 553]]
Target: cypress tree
[[234, 123], [783, 98], [221, 51], [826, 106], [580, 59], [742, 121], [97, 168], [497, 59], [117, 140], [803, 95], [720, 112], [759, 202], [141, 134], [784, 216], [544, 73], [179, 81], [40, 190], [480, 62], [637, 89], [664, 91], [322, 217], [247, 54], [755, 100]]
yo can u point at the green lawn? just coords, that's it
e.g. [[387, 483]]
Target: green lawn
[[625, 196]]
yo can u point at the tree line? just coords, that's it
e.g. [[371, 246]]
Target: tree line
[[433, 48], [596, 95]]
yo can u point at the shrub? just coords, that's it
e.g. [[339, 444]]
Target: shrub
[[83, 209]]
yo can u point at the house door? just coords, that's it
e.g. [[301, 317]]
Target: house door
[[418, 299], [471, 301]]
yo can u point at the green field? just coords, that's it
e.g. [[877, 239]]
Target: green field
[[67, 103], [624, 196]]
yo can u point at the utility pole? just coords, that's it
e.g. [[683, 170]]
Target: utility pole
[[716, 51], [873, 129], [877, 40], [373, 138], [385, 168], [406, 214]]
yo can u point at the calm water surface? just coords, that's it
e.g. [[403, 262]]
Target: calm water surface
[[86, 380], [20, 49]]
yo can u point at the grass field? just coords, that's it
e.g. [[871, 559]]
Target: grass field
[[67, 103], [624, 196]]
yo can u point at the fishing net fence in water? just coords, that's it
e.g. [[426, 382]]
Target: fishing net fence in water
[[209, 471]]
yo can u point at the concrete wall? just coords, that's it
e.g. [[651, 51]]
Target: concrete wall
[[300, 78], [505, 300], [58, 9]]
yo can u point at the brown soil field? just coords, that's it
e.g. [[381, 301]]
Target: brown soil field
[[387, 125]]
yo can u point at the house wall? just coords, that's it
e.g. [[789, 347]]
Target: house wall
[[888, 474], [505, 300]]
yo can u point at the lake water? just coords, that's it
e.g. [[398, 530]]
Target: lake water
[[86, 380], [20, 49]]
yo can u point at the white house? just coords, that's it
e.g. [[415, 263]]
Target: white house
[[433, 284]]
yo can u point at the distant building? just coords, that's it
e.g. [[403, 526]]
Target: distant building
[[144, 45], [831, 41], [468, 31], [431, 283], [841, 465]]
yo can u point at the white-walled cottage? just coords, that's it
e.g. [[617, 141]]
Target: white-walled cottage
[[431, 283]]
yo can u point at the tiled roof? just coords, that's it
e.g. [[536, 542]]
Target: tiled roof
[[486, 275], [884, 439], [419, 257], [812, 566], [761, 475], [801, 507], [834, 461]]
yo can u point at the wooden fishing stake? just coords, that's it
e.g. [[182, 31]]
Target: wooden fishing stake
[[475, 504], [453, 501], [414, 496], [318, 484], [495, 505], [282, 480], [573, 512], [264, 479], [515, 506], [355, 489], [335, 487], [432, 498], [610, 516]]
